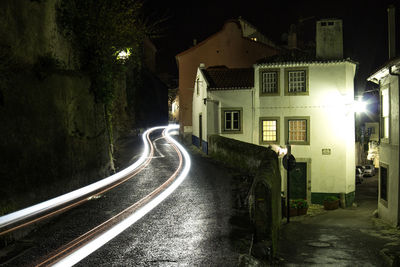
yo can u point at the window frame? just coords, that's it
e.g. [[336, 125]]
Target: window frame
[[382, 200], [277, 72], [308, 129], [287, 71], [261, 130], [382, 118], [223, 129]]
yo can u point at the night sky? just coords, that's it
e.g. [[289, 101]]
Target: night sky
[[364, 22]]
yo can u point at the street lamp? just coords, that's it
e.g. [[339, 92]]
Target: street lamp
[[360, 106]]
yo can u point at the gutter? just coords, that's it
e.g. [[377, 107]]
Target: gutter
[[398, 89]]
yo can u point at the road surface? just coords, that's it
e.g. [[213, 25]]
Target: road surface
[[191, 227]]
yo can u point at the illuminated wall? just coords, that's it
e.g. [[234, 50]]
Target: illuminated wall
[[328, 105], [389, 187]]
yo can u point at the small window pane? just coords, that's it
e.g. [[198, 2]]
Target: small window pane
[[269, 82], [232, 120], [297, 81], [228, 120], [269, 130], [298, 130]]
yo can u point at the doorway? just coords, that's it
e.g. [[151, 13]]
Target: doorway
[[200, 130], [298, 181]]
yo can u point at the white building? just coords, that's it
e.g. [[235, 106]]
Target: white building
[[388, 78], [388, 198], [307, 103]]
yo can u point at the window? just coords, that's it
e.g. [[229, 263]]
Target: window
[[385, 111], [269, 130], [371, 130], [197, 86], [298, 130], [296, 81], [232, 120], [383, 183], [269, 82]]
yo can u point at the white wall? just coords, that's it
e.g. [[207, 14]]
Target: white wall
[[198, 106], [331, 123], [211, 112], [389, 155], [236, 99]]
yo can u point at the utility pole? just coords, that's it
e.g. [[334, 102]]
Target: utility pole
[[289, 153]]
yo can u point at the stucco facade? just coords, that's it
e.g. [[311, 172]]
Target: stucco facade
[[229, 47], [328, 153], [389, 187]]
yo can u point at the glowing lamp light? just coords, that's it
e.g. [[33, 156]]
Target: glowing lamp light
[[123, 55], [360, 106]]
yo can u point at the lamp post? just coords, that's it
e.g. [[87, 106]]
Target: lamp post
[[289, 162]]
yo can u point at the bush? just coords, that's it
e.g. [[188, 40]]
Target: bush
[[298, 203]]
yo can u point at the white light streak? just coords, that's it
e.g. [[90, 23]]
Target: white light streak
[[63, 199], [105, 237]]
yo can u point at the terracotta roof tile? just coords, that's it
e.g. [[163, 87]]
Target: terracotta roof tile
[[223, 78]]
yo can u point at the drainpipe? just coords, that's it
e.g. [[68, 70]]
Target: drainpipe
[[398, 81], [252, 115]]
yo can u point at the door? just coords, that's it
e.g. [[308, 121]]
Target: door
[[200, 130], [298, 181]]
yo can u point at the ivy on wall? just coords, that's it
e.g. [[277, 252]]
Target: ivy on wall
[[98, 31]]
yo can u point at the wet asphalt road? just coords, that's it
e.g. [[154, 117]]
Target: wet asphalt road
[[190, 228], [342, 237]]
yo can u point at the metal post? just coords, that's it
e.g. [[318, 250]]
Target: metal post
[[288, 185]]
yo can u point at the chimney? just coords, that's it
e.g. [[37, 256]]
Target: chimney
[[329, 39], [292, 37], [392, 31]]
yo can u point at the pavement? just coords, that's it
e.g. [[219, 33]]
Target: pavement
[[344, 237]]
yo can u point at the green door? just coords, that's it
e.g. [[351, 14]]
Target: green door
[[298, 181]]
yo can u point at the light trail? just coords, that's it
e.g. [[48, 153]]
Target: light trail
[[104, 237], [51, 204]]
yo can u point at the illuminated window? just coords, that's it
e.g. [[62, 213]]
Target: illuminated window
[[269, 130], [232, 120], [298, 130], [385, 111], [269, 82], [296, 81]]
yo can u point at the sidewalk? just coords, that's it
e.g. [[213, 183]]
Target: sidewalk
[[342, 237]]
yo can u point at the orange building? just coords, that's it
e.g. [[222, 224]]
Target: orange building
[[237, 45]]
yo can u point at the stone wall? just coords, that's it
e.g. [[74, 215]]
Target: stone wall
[[53, 136], [29, 28], [265, 198]]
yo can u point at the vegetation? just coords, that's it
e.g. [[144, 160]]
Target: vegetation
[[298, 203], [99, 30]]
